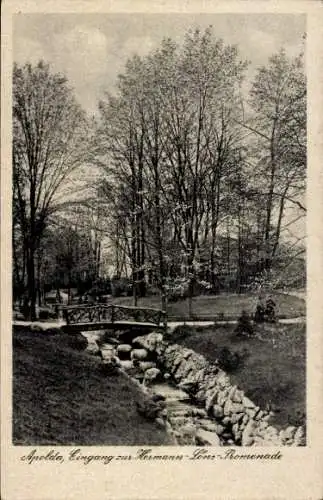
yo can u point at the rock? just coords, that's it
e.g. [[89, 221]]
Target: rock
[[200, 396], [299, 437], [237, 396], [210, 398], [208, 425], [220, 429], [248, 403], [222, 397], [189, 387], [184, 368], [262, 426], [124, 348], [126, 365], [289, 432], [178, 421], [226, 421], [193, 380], [108, 347], [188, 430], [151, 375], [34, 327], [232, 392], [231, 407], [139, 354], [245, 419], [247, 440], [110, 366], [107, 353], [206, 438], [227, 407], [199, 412], [248, 434], [259, 415], [235, 429], [237, 408], [145, 365], [167, 376], [271, 432], [160, 422], [152, 342], [238, 436], [251, 413], [217, 411], [236, 417], [223, 381], [148, 409], [92, 347]]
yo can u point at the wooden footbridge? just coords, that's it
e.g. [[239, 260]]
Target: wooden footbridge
[[101, 316]]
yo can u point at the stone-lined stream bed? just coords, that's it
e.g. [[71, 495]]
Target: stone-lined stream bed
[[191, 398]]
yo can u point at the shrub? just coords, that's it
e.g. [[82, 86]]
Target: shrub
[[228, 360]]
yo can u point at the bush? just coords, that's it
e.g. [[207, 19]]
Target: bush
[[228, 360]]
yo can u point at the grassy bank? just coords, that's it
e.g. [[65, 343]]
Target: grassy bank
[[208, 306], [270, 368], [61, 397]]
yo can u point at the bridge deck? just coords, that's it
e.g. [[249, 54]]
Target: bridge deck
[[106, 325]]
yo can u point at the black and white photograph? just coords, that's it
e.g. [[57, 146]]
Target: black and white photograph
[[159, 171]]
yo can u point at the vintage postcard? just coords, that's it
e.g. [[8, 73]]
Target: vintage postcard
[[161, 250]]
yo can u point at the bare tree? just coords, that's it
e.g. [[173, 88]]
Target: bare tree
[[49, 143]]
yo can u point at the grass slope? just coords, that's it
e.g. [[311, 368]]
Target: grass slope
[[60, 397], [272, 369], [230, 305]]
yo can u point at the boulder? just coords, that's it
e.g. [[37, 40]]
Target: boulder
[[124, 348], [145, 365], [92, 347], [236, 417], [184, 368], [110, 366], [248, 434], [223, 380], [289, 432], [199, 412], [126, 365], [35, 327], [208, 425], [248, 403], [220, 429], [139, 354], [206, 438], [124, 351], [152, 342], [299, 437], [107, 352], [217, 411], [211, 397], [193, 379], [151, 375]]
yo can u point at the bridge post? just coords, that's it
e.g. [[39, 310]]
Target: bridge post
[[112, 313]]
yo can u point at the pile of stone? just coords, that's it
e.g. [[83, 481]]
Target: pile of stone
[[210, 410]]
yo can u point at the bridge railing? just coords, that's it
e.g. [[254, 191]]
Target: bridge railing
[[112, 313]]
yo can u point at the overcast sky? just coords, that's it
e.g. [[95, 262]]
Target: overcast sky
[[91, 49]]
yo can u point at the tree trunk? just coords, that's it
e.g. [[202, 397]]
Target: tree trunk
[[31, 283]]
